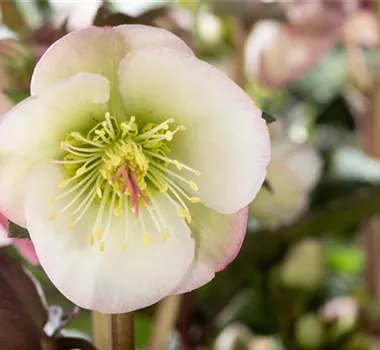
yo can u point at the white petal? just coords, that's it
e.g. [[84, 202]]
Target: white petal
[[218, 239], [97, 50], [225, 138], [113, 281], [33, 130]]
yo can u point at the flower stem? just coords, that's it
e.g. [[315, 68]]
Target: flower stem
[[113, 332]]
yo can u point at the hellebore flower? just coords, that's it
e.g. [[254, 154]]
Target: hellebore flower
[[278, 54], [131, 166], [293, 171]]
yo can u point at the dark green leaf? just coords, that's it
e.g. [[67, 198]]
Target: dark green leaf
[[268, 117], [16, 231]]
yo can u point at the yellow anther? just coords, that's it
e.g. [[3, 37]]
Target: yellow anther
[[100, 132], [181, 127], [101, 247], [98, 234], [64, 146], [165, 235], [184, 214], [163, 188], [118, 211], [75, 135], [178, 164], [70, 226], [81, 170], [146, 239], [99, 192], [194, 186], [92, 240], [63, 183], [195, 200], [124, 245], [197, 172], [53, 216], [169, 135]]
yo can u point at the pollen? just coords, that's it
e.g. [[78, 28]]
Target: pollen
[[118, 168]]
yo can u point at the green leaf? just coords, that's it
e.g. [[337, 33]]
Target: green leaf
[[16, 231], [268, 117]]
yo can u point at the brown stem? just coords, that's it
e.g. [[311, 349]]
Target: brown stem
[[113, 332]]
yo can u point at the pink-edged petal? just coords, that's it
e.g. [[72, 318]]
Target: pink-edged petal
[[5, 104], [26, 248], [98, 50], [34, 129], [116, 280], [225, 138], [286, 55], [4, 239], [218, 239]]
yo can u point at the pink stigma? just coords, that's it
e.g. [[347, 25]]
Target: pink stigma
[[130, 182]]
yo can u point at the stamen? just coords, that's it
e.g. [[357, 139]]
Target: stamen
[[109, 220], [192, 184], [117, 165]]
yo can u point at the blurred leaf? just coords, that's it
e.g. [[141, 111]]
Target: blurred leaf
[[22, 313], [16, 231], [327, 79], [345, 258], [12, 16], [43, 5]]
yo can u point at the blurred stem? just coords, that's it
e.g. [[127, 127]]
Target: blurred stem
[[370, 231], [164, 322], [113, 332], [240, 38]]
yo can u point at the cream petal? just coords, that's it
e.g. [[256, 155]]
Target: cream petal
[[33, 130], [116, 280], [97, 50], [225, 138], [218, 239]]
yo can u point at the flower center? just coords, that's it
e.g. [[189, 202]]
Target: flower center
[[121, 166]]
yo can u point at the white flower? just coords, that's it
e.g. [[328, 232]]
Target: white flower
[[105, 165]]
